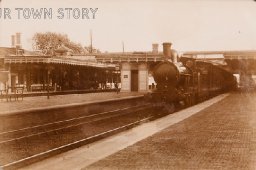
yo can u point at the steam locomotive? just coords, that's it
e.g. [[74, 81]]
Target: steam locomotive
[[187, 82]]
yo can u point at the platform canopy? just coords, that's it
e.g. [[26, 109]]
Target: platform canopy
[[78, 61]]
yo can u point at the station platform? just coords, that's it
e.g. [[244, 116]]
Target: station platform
[[217, 134], [41, 102]]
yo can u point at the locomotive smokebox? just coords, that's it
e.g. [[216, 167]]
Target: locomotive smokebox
[[167, 50], [166, 73]]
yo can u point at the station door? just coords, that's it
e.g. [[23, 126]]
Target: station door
[[134, 80]]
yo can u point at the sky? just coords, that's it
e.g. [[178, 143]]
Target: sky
[[190, 25]]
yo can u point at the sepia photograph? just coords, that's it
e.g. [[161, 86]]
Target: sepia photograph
[[126, 84]]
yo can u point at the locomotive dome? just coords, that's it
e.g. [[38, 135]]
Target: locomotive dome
[[174, 56], [174, 53]]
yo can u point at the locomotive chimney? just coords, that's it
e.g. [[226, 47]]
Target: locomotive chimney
[[13, 41], [167, 50], [154, 48]]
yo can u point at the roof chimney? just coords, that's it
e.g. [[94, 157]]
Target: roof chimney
[[18, 42], [167, 49], [13, 41], [154, 48]]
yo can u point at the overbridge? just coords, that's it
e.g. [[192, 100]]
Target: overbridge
[[237, 62], [135, 68]]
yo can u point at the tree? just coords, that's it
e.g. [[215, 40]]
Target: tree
[[50, 41]]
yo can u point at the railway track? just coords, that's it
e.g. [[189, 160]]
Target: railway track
[[58, 125], [29, 144]]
